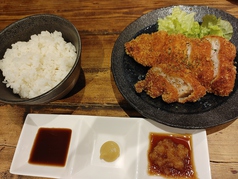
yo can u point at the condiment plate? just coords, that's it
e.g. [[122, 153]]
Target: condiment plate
[[88, 135]]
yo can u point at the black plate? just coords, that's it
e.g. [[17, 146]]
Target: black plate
[[210, 111]]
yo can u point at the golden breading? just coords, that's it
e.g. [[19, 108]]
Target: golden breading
[[210, 62], [224, 54], [172, 83], [199, 61], [174, 51], [146, 48]]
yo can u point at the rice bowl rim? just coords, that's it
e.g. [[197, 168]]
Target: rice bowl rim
[[43, 97]]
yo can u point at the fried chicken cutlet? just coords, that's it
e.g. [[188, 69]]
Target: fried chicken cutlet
[[210, 60], [199, 61], [150, 50], [223, 54], [146, 48], [156, 48], [172, 83]]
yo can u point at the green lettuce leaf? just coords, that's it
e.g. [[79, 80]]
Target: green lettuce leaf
[[212, 25], [181, 22]]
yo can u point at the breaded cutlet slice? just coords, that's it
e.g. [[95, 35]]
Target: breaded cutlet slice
[[146, 48], [223, 54], [200, 62], [174, 51], [172, 83]]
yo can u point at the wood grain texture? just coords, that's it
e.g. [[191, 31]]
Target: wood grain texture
[[99, 24]]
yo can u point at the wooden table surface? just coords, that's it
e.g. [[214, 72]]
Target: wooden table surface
[[99, 23]]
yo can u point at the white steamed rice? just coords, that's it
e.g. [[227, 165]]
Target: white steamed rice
[[34, 67]]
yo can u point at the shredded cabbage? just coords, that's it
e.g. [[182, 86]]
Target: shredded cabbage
[[182, 22], [212, 25]]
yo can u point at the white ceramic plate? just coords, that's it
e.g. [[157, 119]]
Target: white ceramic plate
[[88, 134]]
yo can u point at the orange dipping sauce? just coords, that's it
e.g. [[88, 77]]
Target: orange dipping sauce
[[170, 155]]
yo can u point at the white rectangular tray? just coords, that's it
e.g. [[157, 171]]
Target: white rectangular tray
[[88, 135]]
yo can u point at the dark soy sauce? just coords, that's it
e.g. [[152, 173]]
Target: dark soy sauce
[[50, 147]]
